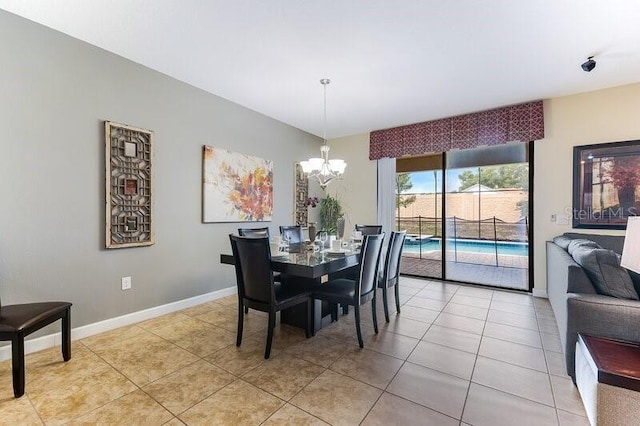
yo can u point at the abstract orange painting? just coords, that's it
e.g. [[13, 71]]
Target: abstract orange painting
[[236, 187]]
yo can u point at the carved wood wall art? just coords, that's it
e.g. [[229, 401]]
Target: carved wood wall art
[[301, 193], [129, 203]]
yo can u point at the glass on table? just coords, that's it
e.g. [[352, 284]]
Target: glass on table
[[274, 247], [276, 244], [286, 240]]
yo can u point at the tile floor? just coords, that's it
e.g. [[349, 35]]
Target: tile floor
[[456, 355]]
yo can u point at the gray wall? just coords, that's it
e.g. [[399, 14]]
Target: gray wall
[[55, 93]]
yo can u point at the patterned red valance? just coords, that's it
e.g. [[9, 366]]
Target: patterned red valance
[[524, 122]]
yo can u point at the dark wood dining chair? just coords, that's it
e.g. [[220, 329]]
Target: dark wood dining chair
[[391, 272], [369, 229], [352, 273], [18, 321], [292, 233], [257, 290], [254, 232], [361, 290]]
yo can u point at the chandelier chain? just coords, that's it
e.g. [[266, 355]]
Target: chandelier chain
[[324, 83]]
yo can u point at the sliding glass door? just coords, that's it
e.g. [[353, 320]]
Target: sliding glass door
[[419, 211], [480, 227]]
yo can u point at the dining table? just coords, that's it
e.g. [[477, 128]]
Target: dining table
[[303, 268]]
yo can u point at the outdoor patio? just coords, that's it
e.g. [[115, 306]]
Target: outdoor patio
[[512, 271]]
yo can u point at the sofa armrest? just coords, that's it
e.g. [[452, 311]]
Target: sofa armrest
[[601, 316], [563, 274]]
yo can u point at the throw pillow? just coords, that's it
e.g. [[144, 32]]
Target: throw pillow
[[635, 277], [603, 269], [579, 242], [562, 241]]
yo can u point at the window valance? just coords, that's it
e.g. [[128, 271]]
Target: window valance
[[524, 123]]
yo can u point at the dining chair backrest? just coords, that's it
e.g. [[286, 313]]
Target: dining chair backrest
[[252, 258], [369, 229], [254, 232], [391, 271], [369, 263], [292, 233]]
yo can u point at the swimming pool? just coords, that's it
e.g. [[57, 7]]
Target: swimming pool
[[473, 246]]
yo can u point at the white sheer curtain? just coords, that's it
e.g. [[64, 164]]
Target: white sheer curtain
[[387, 194]]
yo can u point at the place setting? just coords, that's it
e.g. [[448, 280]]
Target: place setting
[[279, 248]]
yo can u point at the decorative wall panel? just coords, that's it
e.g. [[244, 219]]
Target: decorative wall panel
[[301, 193], [129, 204]]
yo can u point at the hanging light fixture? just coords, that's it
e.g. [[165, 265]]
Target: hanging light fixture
[[323, 169]]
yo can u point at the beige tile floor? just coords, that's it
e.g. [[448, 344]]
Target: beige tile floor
[[456, 355]]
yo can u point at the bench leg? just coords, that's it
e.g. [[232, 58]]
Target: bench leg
[[66, 335], [17, 363]]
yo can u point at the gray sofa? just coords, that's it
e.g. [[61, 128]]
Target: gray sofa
[[579, 308]]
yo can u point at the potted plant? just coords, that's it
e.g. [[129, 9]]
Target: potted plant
[[330, 214]]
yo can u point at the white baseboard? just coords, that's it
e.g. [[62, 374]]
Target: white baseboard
[[540, 293], [51, 340]]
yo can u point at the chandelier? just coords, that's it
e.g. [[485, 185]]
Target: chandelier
[[323, 169]]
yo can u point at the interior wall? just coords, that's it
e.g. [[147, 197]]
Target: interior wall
[[609, 115], [357, 190], [56, 92]]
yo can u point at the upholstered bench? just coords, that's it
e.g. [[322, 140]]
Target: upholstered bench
[[18, 321]]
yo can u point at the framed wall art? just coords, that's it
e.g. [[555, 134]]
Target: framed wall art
[[129, 202], [606, 184], [235, 187]]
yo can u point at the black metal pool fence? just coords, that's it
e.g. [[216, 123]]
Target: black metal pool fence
[[491, 229]]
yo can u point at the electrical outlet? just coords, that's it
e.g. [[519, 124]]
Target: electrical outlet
[[554, 217], [126, 283]]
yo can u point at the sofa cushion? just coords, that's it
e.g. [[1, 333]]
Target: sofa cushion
[[611, 242], [562, 241], [580, 242], [604, 270]]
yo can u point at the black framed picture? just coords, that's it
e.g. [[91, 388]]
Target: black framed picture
[[606, 184]]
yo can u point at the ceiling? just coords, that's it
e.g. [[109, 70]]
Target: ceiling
[[390, 62]]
